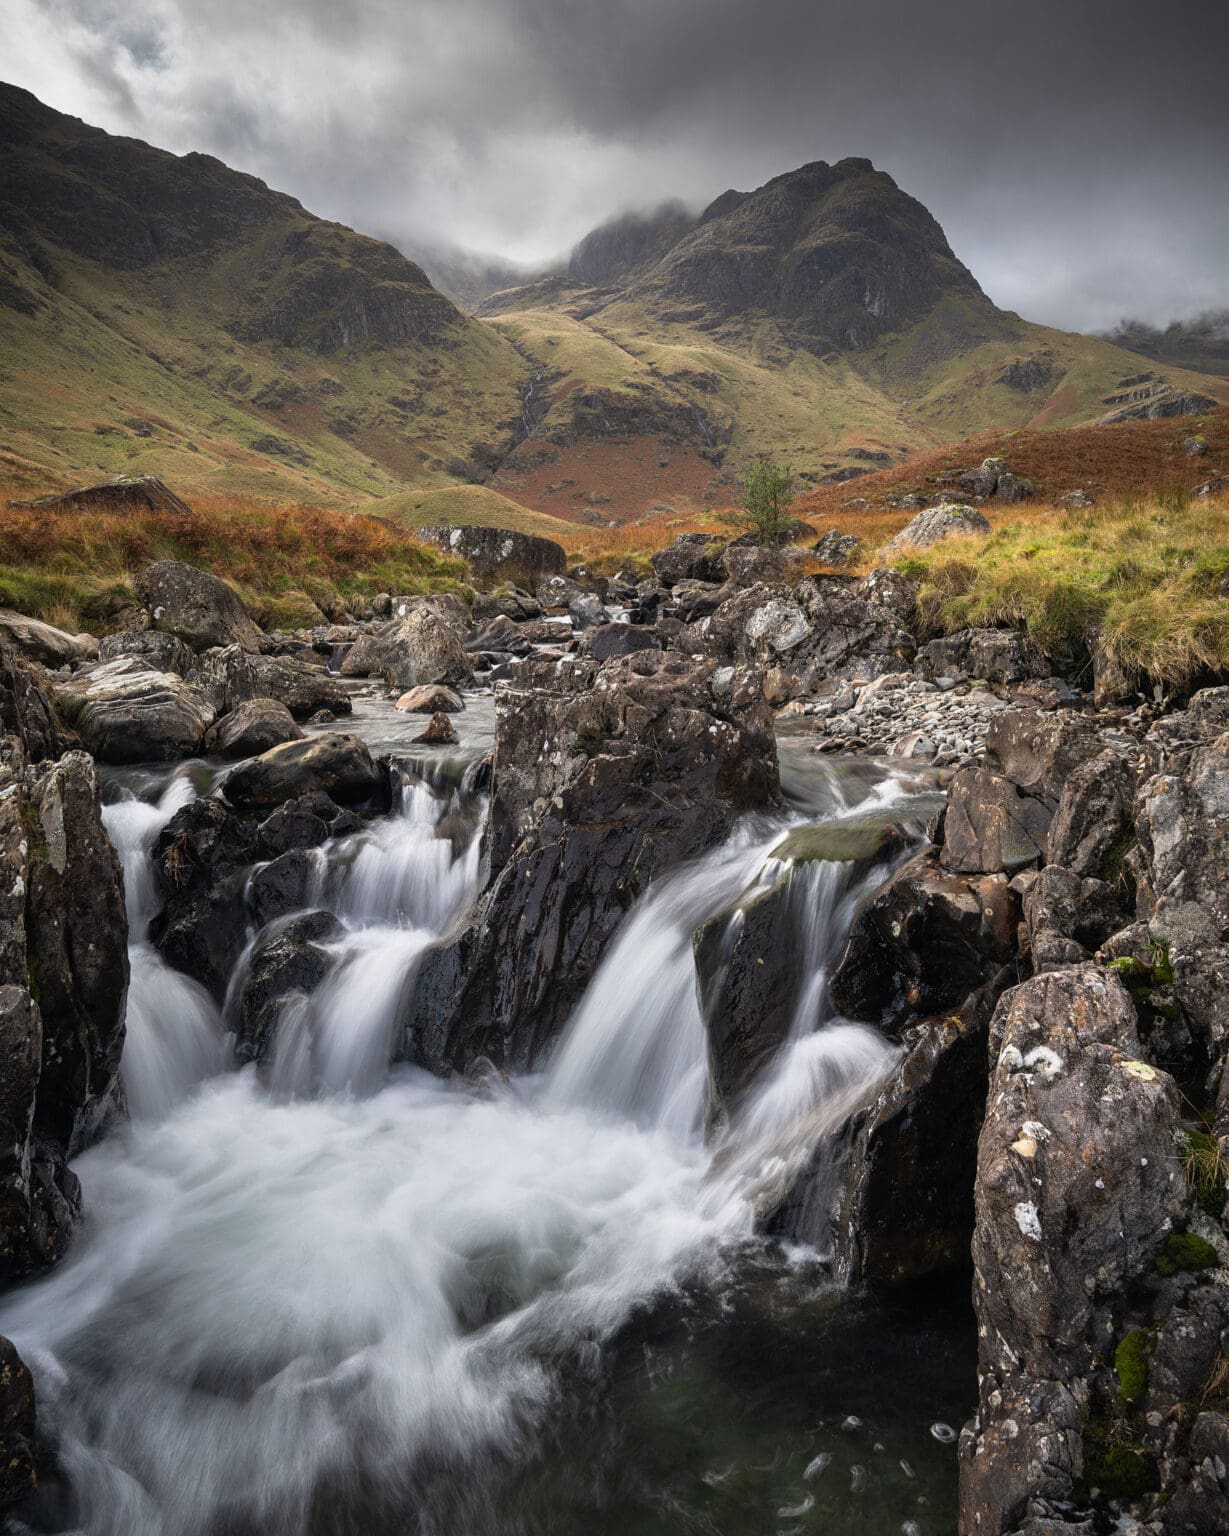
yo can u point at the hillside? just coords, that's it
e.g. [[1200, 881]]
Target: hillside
[[474, 505], [165, 313], [822, 318]]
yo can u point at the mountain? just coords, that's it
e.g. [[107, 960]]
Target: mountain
[[822, 318], [166, 313], [1201, 344]]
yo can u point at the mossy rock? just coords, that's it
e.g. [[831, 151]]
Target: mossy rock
[[1122, 1473], [1131, 1364], [1186, 1253], [837, 842]]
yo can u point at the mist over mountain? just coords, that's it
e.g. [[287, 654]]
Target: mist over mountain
[[1201, 343]]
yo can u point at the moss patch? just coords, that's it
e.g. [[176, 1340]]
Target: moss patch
[[1131, 1364], [1186, 1253]]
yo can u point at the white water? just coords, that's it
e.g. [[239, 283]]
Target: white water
[[174, 1032], [293, 1284]]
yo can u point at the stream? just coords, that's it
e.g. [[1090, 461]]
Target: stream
[[337, 1296]]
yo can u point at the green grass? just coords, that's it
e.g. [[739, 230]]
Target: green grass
[[1139, 579], [292, 565]]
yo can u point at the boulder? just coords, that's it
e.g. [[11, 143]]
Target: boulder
[[231, 676], [195, 606], [126, 712], [499, 633], [123, 493], [603, 776], [43, 643], [584, 607], [994, 655], [692, 557], [825, 628], [339, 764], [496, 555], [1078, 1187], [609, 640], [1012, 488], [1182, 820], [1093, 821], [422, 646], [1069, 917], [251, 728], [925, 941], [162, 652], [838, 549], [439, 732], [1039, 751], [983, 481], [26, 712], [289, 961], [692, 600], [515, 605], [990, 826], [431, 699], [935, 525]]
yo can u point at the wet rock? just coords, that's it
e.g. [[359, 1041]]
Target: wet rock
[[996, 655], [43, 643], [339, 764], [302, 823], [431, 699], [439, 732], [906, 1192], [195, 606], [602, 777], [280, 888], [936, 525], [498, 554], [692, 600], [162, 652], [1077, 1189], [203, 855], [584, 607], [991, 826], [77, 949], [925, 941], [18, 1473], [128, 713], [290, 961], [251, 728], [609, 640]]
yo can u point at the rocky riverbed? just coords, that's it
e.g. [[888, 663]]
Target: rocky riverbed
[[687, 1053]]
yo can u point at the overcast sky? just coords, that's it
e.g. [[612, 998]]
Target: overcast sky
[[1075, 151]]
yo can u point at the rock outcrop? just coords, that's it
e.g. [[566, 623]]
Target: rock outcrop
[[497, 555], [602, 777], [126, 712], [197, 608]]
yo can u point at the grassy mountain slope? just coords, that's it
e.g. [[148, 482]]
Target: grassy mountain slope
[[166, 313], [474, 505], [822, 318]]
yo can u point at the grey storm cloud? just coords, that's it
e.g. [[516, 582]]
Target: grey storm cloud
[[1075, 151]]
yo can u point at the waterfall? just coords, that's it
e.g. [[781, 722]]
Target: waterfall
[[331, 1295], [174, 1038]]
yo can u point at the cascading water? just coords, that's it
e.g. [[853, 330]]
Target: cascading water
[[327, 1296], [174, 1032]]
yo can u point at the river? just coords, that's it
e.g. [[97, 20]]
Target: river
[[341, 1296]]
